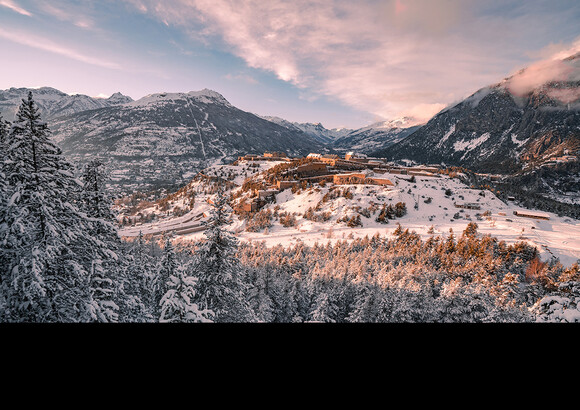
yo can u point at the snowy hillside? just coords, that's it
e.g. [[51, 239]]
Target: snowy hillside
[[321, 213]]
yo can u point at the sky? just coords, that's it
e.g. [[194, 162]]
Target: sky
[[345, 64]]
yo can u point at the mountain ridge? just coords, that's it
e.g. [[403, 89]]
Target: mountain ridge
[[517, 123], [53, 103], [162, 139]]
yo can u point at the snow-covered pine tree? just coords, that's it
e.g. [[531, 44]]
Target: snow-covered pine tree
[[4, 130], [259, 295], [47, 240], [364, 309], [324, 309], [96, 201], [176, 303], [167, 266], [385, 306], [177, 306], [104, 270], [220, 286], [136, 301]]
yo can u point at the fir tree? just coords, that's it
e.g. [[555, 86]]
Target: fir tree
[[104, 279], [382, 217], [260, 300], [471, 230], [4, 131], [48, 242], [324, 309], [166, 268], [364, 307], [176, 303], [220, 286], [136, 300]]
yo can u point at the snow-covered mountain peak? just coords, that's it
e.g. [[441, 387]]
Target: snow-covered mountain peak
[[118, 98], [382, 126], [204, 96], [207, 94]]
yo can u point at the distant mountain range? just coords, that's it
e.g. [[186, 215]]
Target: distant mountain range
[[54, 103], [324, 135], [164, 138], [161, 139], [377, 136], [514, 125], [363, 140]]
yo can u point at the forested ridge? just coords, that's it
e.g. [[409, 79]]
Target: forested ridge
[[62, 260]]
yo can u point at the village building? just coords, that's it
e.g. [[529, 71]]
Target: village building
[[319, 178], [360, 178], [431, 170], [250, 157], [351, 156], [275, 154], [282, 185], [375, 162], [381, 181], [267, 193], [402, 171], [330, 159], [311, 169], [531, 214], [251, 206], [352, 178], [467, 205]]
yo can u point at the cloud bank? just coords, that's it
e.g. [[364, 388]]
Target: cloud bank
[[390, 58], [558, 67]]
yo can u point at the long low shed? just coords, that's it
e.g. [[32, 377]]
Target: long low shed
[[532, 214]]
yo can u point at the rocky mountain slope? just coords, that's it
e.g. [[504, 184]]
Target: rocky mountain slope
[[519, 123], [162, 139], [165, 138]]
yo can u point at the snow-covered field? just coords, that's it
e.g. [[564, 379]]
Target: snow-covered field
[[557, 236], [427, 206]]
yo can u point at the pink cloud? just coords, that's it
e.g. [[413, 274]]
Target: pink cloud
[[538, 74], [557, 67], [14, 7], [395, 58]]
